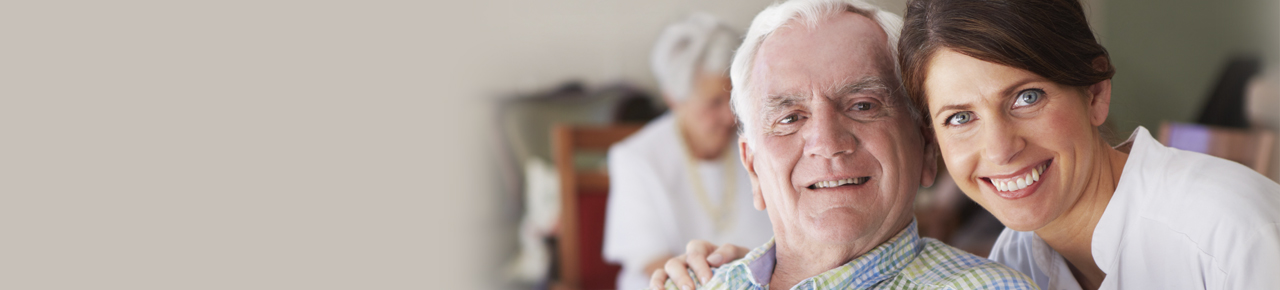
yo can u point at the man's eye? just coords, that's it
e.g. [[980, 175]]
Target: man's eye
[[959, 118], [863, 106], [789, 119], [1028, 97]]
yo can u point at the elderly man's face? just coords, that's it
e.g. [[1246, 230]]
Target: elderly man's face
[[839, 157]]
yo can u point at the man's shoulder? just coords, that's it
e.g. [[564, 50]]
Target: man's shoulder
[[944, 266]]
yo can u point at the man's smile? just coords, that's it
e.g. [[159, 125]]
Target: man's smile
[[852, 181]]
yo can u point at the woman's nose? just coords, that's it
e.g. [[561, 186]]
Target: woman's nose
[[1000, 141]]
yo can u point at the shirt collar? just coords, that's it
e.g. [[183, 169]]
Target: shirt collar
[[1109, 231], [878, 264]]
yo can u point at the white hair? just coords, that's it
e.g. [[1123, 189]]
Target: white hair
[[808, 13], [698, 44]]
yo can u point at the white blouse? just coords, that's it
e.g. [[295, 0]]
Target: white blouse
[[654, 209], [1178, 220]]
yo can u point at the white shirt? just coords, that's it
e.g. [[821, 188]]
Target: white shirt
[[653, 210], [1178, 220]]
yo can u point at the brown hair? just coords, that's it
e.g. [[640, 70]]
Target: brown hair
[[1050, 38]]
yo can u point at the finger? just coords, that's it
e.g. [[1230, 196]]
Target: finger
[[741, 252], [678, 272], [733, 252], [696, 252], [658, 280], [722, 255]]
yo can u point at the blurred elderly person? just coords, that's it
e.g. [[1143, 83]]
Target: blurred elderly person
[[835, 153], [678, 178]]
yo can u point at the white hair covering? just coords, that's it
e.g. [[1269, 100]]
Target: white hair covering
[[698, 44], [808, 13]]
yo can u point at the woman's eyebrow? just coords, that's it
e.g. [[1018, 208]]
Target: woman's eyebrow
[[949, 107], [1008, 90]]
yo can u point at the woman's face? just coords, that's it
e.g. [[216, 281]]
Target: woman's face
[[1017, 143]]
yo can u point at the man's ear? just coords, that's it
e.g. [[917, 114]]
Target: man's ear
[[748, 161], [929, 170], [1099, 96]]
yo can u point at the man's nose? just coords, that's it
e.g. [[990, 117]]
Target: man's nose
[[828, 137], [1001, 141]]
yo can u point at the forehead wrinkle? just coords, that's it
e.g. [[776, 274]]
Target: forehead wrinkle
[[780, 101], [866, 83], [836, 90]]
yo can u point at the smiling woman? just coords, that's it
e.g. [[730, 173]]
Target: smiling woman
[[1015, 91], [998, 126]]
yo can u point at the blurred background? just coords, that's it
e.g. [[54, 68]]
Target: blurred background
[[402, 145]]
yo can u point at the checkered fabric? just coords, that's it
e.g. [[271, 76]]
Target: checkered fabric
[[904, 262]]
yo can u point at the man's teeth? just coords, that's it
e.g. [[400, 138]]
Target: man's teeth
[[834, 183], [1020, 182]]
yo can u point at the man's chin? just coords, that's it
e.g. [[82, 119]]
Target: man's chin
[[841, 226]]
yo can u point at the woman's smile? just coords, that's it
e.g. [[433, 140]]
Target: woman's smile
[[1019, 184]]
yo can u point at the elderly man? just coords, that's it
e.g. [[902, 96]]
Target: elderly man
[[835, 154]]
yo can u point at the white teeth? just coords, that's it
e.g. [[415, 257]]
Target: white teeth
[[1008, 186], [835, 183], [1020, 182]]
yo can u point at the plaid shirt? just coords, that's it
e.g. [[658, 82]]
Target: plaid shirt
[[903, 262]]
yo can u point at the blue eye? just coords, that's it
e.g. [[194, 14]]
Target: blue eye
[[960, 118], [1028, 97]]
